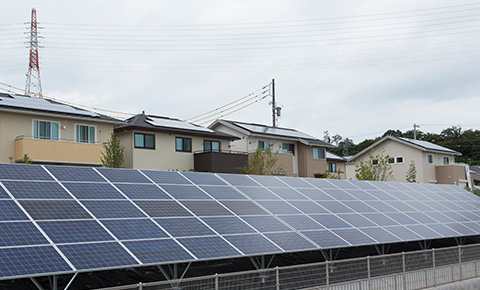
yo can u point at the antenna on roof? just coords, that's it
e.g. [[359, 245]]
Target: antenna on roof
[[33, 84], [415, 126]]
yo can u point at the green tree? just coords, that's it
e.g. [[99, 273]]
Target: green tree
[[376, 167], [263, 162], [412, 173], [26, 159], [112, 155]]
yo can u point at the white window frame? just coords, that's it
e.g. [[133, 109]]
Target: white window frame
[[77, 138], [266, 144], [288, 145], [49, 138], [334, 165], [433, 159], [396, 160], [446, 158], [318, 150]]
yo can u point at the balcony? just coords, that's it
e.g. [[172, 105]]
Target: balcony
[[60, 151], [219, 162]]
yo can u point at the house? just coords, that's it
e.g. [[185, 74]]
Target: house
[[336, 165], [50, 132], [154, 142], [475, 177], [433, 163], [299, 154]]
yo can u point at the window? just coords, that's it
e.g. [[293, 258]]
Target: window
[[146, 141], [263, 144], [288, 148], [332, 167], [85, 133], [430, 159], [45, 130], [183, 144], [211, 146], [318, 153], [390, 160], [446, 160], [399, 159]]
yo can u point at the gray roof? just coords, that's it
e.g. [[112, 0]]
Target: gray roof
[[268, 131], [165, 124], [428, 145], [331, 156], [46, 106]]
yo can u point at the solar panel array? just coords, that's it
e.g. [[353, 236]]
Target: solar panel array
[[56, 219]]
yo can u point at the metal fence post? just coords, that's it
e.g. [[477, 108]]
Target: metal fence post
[[460, 260], [216, 281], [327, 276], [434, 270], [368, 272], [140, 286], [404, 272], [277, 277]]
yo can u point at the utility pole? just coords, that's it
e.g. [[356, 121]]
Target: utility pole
[[33, 84], [415, 126], [274, 105]]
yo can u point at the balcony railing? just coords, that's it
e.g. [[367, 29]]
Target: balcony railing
[[59, 151]]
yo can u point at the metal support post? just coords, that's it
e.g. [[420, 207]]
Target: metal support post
[[327, 276], [434, 268], [404, 272], [216, 281], [460, 261], [277, 278], [368, 272]]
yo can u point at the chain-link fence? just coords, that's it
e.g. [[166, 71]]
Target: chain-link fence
[[413, 270]]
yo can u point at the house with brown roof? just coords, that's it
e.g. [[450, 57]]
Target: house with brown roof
[[161, 143], [50, 132], [299, 154], [433, 163]]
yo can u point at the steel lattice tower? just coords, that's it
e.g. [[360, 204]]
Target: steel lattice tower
[[33, 85]]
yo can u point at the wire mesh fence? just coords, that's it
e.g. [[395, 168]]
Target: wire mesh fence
[[406, 271]]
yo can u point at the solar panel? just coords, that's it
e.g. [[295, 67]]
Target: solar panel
[[99, 218]]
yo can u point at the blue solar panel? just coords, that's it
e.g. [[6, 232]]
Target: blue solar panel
[[339, 194], [295, 182], [54, 209], [401, 218], [252, 244], [37, 190], [325, 239], [185, 227], [240, 207], [206, 208], [401, 206], [268, 181], [335, 206], [422, 218], [209, 247], [418, 205], [31, 260], [142, 191], [321, 183], [308, 207], [9, 211], [23, 172], [381, 235], [301, 222], [237, 179], [439, 217], [315, 194], [291, 241], [133, 229], [424, 231], [278, 207], [266, 224], [223, 192], [93, 191], [20, 233], [357, 220], [463, 230], [75, 231], [381, 206], [362, 195], [359, 206], [3, 194], [97, 255], [344, 184], [166, 177], [443, 230], [185, 192], [158, 251], [258, 193], [288, 194], [203, 178], [228, 225], [71, 173], [162, 208], [403, 233], [112, 209], [380, 219], [330, 221], [123, 175], [354, 237]]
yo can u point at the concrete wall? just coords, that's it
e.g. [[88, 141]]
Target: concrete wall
[[13, 125], [164, 156], [452, 174]]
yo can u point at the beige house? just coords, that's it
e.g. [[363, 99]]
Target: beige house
[[299, 154], [433, 163], [50, 132], [336, 165], [153, 142]]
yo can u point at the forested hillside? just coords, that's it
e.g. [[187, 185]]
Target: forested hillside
[[466, 142]]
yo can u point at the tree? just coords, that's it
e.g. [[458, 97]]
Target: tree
[[263, 162], [112, 155], [376, 167], [412, 173]]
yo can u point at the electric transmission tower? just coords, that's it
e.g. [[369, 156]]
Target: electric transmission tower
[[33, 86]]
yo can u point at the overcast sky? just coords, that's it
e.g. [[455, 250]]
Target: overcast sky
[[355, 68]]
